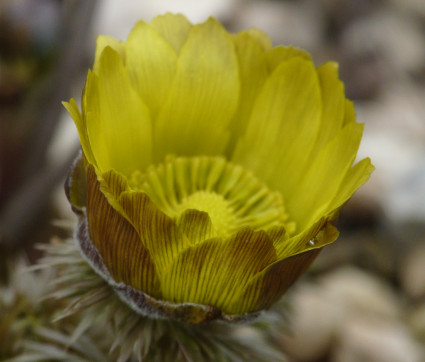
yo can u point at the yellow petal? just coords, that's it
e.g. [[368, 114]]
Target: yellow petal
[[203, 96], [283, 126], [268, 286], [112, 185], [253, 73], [118, 122], [151, 64], [73, 110], [218, 270], [261, 37], [173, 28], [157, 231], [324, 176], [333, 101], [104, 41], [281, 54], [117, 241], [349, 112], [318, 235], [196, 225], [355, 177]]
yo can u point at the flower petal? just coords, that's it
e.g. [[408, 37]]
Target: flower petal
[[173, 28], [118, 123], [73, 110], [117, 241], [324, 176], [104, 41], [196, 225], [318, 235], [203, 96], [112, 185], [268, 286], [253, 73], [151, 64], [281, 54], [158, 232], [350, 113], [333, 104], [355, 177], [218, 270], [261, 37], [283, 126]]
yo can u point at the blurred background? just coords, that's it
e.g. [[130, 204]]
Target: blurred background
[[364, 297]]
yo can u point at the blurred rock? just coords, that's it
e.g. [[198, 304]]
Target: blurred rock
[[402, 201], [363, 339], [343, 12], [300, 24], [379, 47], [412, 272], [374, 250], [394, 138], [324, 312], [362, 74], [313, 322], [117, 20], [414, 7], [360, 213], [397, 39], [361, 293], [416, 321]]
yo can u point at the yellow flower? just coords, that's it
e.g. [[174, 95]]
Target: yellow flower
[[212, 167]]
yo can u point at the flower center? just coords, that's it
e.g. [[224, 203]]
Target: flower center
[[231, 195], [220, 212]]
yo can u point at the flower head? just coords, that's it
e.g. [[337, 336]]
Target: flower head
[[212, 167]]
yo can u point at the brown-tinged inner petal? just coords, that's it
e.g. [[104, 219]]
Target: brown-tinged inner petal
[[215, 271], [117, 241], [196, 225], [158, 232], [268, 286], [75, 186]]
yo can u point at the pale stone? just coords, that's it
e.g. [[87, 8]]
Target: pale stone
[[395, 37], [117, 18], [416, 322], [360, 293], [394, 138], [320, 311], [368, 339], [313, 320], [300, 24], [414, 7], [412, 272]]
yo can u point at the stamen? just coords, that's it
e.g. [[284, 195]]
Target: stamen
[[231, 195]]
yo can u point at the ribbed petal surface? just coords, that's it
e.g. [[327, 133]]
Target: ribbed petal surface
[[117, 241], [213, 167], [152, 72], [283, 125], [114, 113], [266, 287], [173, 28], [218, 270], [203, 96]]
